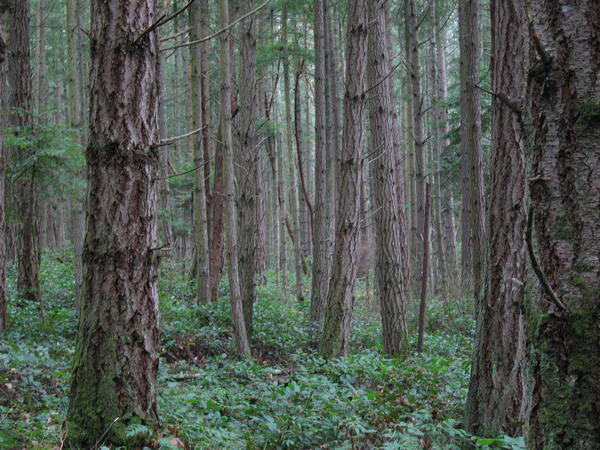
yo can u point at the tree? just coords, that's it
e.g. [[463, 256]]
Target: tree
[[240, 336], [321, 232], [340, 299], [116, 360], [4, 15], [21, 120], [497, 391], [248, 161], [417, 129], [469, 20], [293, 190], [388, 217], [200, 215], [562, 321]]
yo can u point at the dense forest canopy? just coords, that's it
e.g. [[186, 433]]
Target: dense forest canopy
[[299, 224]]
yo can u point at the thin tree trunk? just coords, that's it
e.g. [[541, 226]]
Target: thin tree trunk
[[4, 26], [321, 236], [248, 164], [116, 358], [418, 132], [425, 261], [242, 344], [200, 215], [335, 339], [388, 218], [446, 200], [564, 97], [469, 17], [293, 190]]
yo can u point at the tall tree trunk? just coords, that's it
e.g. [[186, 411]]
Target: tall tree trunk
[[418, 132], [321, 236], [4, 29], [21, 98], [75, 116], [217, 259], [340, 299], [40, 86], [564, 97], [248, 163], [116, 359], [497, 391], [240, 336], [425, 265], [469, 19], [200, 215], [388, 217], [293, 185], [446, 200]]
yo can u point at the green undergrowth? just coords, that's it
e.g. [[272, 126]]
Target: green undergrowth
[[287, 396]]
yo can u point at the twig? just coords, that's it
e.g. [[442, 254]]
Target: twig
[[105, 431], [176, 35], [514, 107], [383, 79], [181, 173], [218, 33], [536, 267], [162, 20], [178, 138]]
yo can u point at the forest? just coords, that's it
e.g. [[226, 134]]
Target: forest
[[300, 224]]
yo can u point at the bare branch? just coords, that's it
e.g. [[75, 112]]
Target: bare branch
[[178, 138], [218, 33]]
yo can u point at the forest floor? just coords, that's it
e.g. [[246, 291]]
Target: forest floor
[[286, 397]]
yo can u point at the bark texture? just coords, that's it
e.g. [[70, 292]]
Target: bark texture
[[116, 359], [240, 336], [200, 215], [497, 391], [564, 101], [338, 316], [3, 119], [21, 99], [387, 216], [321, 231], [248, 162], [469, 19]]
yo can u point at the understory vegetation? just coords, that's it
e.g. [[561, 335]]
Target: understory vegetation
[[285, 397]]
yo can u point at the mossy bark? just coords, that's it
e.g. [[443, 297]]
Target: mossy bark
[[116, 360], [565, 341]]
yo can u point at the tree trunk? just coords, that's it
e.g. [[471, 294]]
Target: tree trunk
[[388, 218], [75, 115], [200, 215], [293, 185], [564, 97], [248, 164], [497, 391], [22, 99], [321, 236], [116, 359], [240, 336], [340, 299], [217, 259], [4, 26], [446, 200], [418, 133], [469, 18], [425, 266]]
